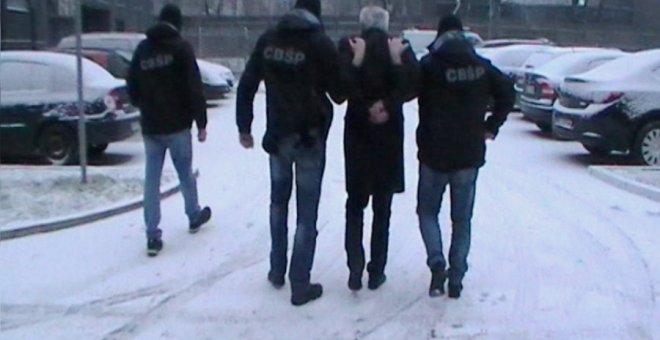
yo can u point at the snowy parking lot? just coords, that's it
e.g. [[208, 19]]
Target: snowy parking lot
[[556, 254]]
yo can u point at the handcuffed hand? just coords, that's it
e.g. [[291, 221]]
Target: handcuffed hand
[[378, 113]]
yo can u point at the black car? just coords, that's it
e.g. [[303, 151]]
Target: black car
[[614, 108], [39, 114]]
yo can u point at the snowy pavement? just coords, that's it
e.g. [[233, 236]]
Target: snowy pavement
[[556, 254]]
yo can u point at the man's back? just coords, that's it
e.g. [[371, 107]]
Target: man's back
[[164, 81], [457, 88]]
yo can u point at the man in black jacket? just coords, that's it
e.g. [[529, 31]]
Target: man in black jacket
[[300, 66], [164, 82], [457, 88], [384, 75]]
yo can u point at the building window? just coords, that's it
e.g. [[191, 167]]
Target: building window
[[18, 5]]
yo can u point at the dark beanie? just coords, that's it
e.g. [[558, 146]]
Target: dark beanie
[[171, 14], [449, 23], [313, 6]]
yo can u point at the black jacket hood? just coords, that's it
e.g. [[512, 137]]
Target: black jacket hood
[[299, 20], [452, 45], [162, 32]]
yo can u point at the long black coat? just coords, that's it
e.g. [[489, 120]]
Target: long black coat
[[374, 153]]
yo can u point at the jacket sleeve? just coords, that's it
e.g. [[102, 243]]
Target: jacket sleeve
[[132, 79], [247, 88], [406, 78], [504, 97], [196, 100], [351, 72], [337, 83]]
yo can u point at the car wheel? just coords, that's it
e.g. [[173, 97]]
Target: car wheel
[[597, 151], [58, 146], [545, 128], [97, 150], [647, 146]]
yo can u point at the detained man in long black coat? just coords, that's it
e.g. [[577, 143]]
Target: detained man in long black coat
[[383, 73]]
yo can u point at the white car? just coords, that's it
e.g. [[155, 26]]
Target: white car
[[510, 59], [128, 42], [39, 114], [218, 80], [614, 107], [420, 40], [540, 85]]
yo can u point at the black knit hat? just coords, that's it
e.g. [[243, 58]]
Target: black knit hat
[[171, 13], [313, 6], [449, 23]]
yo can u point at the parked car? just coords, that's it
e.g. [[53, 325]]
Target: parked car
[[38, 106], [511, 42], [126, 43], [420, 39], [540, 86], [538, 59], [614, 107], [510, 59], [123, 41], [215, 79], [116, 62]]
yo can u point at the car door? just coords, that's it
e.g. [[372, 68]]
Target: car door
[[24, 94]]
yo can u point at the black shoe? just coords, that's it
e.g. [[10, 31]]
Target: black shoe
[[276, 280], [203, 217], [376, 281], [355, 281], [455, 290], [437, 287], [313, 292], [154, 245]]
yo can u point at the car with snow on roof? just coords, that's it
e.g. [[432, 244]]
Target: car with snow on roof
[[614, 108], [38, 106], [540, 85]]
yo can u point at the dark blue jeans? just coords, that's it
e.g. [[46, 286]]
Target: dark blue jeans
[[431, 188], [309, 163], [180, 146]]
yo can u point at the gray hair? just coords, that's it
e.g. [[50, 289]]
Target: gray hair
[[374, 17]]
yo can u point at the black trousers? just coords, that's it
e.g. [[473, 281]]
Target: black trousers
[[381, 205]]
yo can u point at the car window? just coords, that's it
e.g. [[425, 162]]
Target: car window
[[24, 76], [598, 62], [63, 80]]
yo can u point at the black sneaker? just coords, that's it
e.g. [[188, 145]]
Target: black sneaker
[[154, 245], [355, 281], [437, 287], [203, 217], [276, 280], [455, 290], [313, 292], [376, 281]]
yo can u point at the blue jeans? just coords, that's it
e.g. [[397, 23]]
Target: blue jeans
[[180, 146], [432, 186], [309, 165]]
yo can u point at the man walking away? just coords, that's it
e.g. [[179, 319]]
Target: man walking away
[[385, 76], [299, 65], [456, 89], [164, 82]]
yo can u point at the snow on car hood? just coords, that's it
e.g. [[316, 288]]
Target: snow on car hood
[[635, 76]]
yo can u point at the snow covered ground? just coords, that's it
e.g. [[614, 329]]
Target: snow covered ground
[[35, 193], [556, 254]]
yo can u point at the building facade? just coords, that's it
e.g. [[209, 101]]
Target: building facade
[[40, 24]]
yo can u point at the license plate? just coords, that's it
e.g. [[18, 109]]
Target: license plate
[[564, 123]]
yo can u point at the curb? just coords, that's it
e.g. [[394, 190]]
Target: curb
[[50, 225], [621, 182]]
